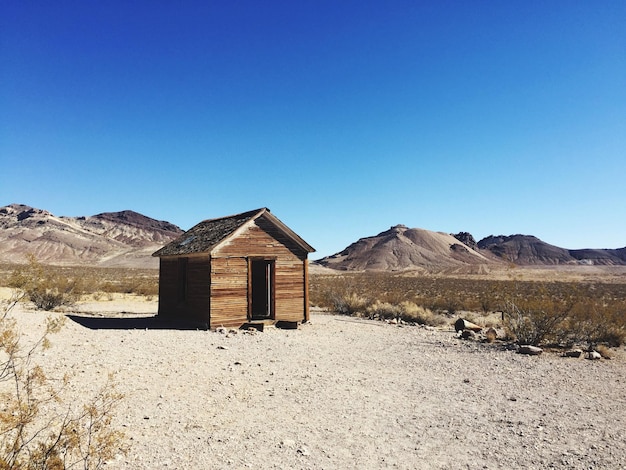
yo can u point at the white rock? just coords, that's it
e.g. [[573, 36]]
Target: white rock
[[594, 355]]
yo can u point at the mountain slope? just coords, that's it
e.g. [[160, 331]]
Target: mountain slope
[[604, 257], [401, 248], [525, 250], [529, 250], [110, 239]]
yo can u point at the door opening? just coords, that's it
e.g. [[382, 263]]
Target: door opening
[[262, 286]]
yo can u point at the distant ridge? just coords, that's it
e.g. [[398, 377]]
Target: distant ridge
[[112, 239], [128, 239], [525, 250], [401, 248], [529, 250]]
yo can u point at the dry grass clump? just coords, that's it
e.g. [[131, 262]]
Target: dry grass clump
[[349, 304], [356, 305], [411, 312]]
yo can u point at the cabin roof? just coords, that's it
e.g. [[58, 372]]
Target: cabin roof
[[205, 236]]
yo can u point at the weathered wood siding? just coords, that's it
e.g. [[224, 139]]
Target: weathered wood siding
[[229, 275], [229, 292], [191, 301]]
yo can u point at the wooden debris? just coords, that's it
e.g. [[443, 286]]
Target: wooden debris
[[462, 324], [573, 353], [529, 350]]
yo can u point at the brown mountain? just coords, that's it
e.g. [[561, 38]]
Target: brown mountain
[[529, 250], [401, 248], [124, 238], [525, 250]]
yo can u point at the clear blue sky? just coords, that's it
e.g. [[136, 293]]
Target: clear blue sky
[[342, 117]]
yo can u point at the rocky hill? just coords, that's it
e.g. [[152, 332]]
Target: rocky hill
[[529, 250], [121, 239], [401, 248], [525, 250]]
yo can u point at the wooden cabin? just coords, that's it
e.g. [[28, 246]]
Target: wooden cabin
[[235, 270]]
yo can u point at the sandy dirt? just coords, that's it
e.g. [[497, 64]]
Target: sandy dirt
[[337, 393]]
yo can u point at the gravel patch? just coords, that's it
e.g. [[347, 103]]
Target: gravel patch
[[337, 394]]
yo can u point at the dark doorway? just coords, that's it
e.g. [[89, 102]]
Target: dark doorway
[[262, 286]]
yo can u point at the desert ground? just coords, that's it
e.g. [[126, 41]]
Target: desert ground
[[338, 392]]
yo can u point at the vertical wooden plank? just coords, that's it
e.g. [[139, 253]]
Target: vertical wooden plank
[[249, 292], [305, 264], [208, 306], [273, 289]]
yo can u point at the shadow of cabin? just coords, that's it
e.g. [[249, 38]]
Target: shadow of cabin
[[235, 270]]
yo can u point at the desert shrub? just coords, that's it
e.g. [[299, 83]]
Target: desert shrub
[[600, 315], [411, 312], [147, 288], [536, 321], [595, 324], [63, 285], [405, 311], [349, 303], [37, 429], [43, 286], [383, 310]]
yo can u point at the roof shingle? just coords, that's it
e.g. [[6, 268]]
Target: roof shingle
[[202, 237]]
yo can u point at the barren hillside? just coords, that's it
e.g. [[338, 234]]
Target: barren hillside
[[401, 248], [529, 250], [110, 239]]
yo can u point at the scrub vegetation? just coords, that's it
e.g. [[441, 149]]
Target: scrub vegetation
[[532, 312], [49, 286], [40, 426]]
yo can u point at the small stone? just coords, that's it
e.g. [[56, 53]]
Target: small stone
[[222, 347], [303, 451], [594, 355]]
